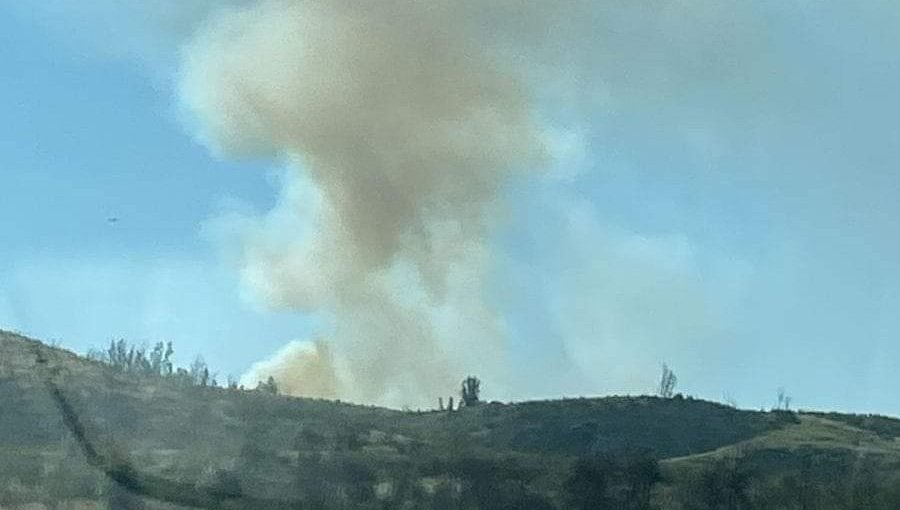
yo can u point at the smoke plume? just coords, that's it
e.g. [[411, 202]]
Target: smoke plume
[[303, 369], [401, 122], [399, 130]]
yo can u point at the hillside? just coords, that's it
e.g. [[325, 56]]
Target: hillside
[[251, 449]]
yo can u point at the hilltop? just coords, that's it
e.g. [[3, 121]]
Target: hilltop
[[326, 454]]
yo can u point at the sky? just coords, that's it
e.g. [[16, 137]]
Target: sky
[[721, 196]]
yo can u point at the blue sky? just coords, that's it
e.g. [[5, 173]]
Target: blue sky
[[90, 136], [726, 202]]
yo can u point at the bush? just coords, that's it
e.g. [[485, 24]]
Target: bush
[[725, 485], [622, 482]]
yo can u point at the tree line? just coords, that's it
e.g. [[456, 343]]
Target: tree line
[[157, 362]]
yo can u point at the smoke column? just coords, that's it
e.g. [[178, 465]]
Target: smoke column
[[399, 129], [400, 123]]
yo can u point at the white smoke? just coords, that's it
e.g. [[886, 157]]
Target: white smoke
[[401, 122], [303, 369], [399, 131], [626, 301]]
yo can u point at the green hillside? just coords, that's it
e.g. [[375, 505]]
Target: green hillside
[[246, 449]]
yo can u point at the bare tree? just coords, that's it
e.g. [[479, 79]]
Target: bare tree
[[784, 400], [199, 372], [667, 382], [167, 367], [156, 358], [129, 358]]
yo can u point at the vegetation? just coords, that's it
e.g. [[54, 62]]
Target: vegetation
[[784, 400], [622, 480], [129, 358], [270, 386], [157, 362], [161, 433], [667, 382], [470, 392]]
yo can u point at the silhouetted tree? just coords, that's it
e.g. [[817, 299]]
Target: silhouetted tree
[[199, 372], [159, 362], [784, 400], [137, 360], [667, 382], [156, 358], [470, 392], [167, 362], [117, 354], [270, 386]]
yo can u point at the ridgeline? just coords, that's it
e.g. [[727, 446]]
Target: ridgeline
[[79, 433]]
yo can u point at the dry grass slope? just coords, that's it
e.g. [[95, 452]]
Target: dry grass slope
[[332, 453]]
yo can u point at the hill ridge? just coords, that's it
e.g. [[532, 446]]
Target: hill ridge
[[195, 434]]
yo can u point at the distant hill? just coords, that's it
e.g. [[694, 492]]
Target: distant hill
[[246, 446]]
